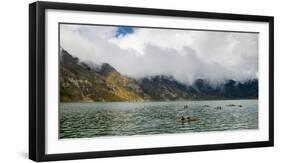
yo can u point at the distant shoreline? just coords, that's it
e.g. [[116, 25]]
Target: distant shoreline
[[157, 101]]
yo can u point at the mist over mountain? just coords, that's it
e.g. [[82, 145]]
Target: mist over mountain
[[186, 55], [80, 81]]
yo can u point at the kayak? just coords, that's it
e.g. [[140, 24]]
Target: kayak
[[190, 119]]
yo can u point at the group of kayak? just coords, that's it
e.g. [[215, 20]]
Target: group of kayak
[[189, 119]]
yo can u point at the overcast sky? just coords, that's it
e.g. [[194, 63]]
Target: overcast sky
[[184, 54]]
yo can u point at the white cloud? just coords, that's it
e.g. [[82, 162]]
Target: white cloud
[[184, 54]]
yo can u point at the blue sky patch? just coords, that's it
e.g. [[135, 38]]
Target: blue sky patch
[[123, 31]]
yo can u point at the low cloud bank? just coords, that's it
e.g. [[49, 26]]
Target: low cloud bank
[[184, 54]]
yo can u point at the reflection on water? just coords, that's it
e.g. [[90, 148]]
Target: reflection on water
[[84, 120]]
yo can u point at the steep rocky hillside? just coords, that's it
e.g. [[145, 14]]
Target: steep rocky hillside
[[80, 81]]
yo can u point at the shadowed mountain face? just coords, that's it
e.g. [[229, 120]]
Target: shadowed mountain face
[[164, 88], [80, 81], [167, 88]]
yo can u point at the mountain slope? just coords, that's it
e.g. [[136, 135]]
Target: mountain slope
[[167, 88], [80, 82], [164, 88], [230, 89]]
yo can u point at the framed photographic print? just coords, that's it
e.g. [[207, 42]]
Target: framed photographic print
[[111, 81]]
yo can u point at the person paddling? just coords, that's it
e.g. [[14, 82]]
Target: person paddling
[[182, 118]]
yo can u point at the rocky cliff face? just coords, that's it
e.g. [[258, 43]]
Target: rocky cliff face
[[80, 81]]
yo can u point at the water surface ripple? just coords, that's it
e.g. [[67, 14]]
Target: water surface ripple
[[85, 120]]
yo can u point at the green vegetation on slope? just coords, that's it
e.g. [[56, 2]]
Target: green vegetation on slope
[[78, 82]]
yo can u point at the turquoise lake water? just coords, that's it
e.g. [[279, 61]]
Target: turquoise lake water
[[86, 120]]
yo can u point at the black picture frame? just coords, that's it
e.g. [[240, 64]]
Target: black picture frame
[[37, 80]]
